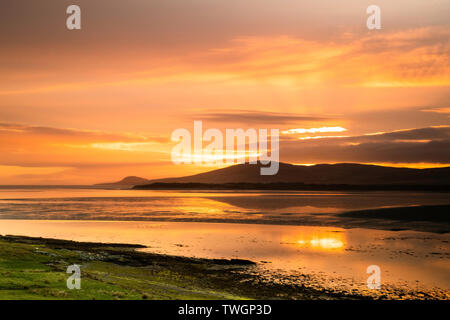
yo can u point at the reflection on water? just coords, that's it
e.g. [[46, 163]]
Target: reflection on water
[[334, 257], [331, 244], [266, 207], [321, 239]]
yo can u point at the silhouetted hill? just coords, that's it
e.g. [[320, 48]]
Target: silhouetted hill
[[291, 186], [127, 181], [322, 174]]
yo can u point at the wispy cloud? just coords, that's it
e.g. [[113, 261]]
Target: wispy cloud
[[443, 110], [259, 117], [414, 58], [41, 146], [56, 135], [320, 137], [418, 145], [314, 130]]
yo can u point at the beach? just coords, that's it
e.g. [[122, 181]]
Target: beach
[[319, 241], [35, 268]]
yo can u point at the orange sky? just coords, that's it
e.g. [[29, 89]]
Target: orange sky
[[100, 103]]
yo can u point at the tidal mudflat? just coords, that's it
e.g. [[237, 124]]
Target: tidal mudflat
[[323, 241], [413, 264]]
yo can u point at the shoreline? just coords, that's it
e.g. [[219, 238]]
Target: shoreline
[[35, 268], [287, 186], [421, 218]]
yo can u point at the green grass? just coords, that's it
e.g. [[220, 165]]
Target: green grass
[[32, 271], [35, 268]]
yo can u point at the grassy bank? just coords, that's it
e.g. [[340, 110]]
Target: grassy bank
[[35, 268]]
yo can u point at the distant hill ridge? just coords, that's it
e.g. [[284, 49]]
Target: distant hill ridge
[[341, 173], [127, 181]]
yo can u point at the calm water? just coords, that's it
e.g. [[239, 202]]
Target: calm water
[[284, 207], [332, 257]]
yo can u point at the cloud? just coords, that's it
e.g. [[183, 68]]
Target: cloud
[[42, 146], [431, 133], [440, 110], [68, 135], [314, 130], [427, 145], [417, 57], [258, 117]]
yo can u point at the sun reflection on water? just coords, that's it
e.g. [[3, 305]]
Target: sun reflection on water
[[324, 242]]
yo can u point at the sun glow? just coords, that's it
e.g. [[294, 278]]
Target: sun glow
[[328, 241], [321, 137], [218, 157], [314, 130]]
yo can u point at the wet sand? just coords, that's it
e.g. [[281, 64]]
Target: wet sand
[[412, 263], [323, 240], [418, 211]]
